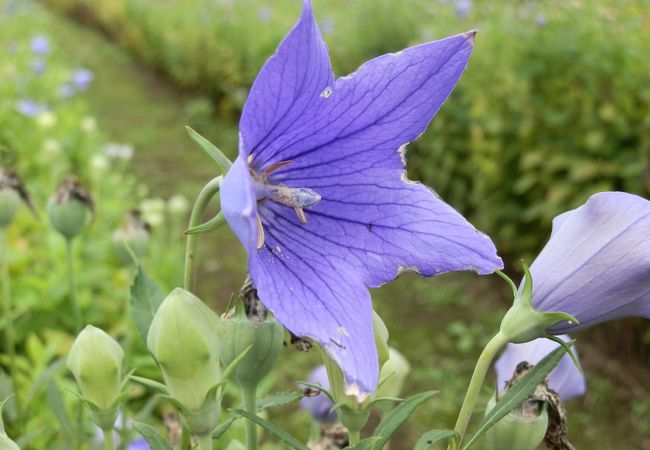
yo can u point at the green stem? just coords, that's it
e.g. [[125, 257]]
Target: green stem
[[205, 442], [250, 405], [72, 286], [354, 436], [478, 377], [8, 313], [108, 440], [204, 197], [184, 443]]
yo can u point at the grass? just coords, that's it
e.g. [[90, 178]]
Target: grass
[[439, 324]]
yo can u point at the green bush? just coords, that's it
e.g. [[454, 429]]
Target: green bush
[[553, 107]]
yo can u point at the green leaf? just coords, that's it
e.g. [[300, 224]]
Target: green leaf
[[222, 161], [518, 393], [153, 438], [435, 436], [398, 416], [279, 399], [223, 427], [58, 408], [146, 297], [272, 429], [45, 377], [150, 383], [364, 444]]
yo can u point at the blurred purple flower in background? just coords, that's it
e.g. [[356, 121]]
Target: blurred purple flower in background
[[264, 14], [463, 8], [596, 265], [319, 406], [138, 444], [319, 196], [565, 379], [40, 45], [38, 66], [30, 108], [81, 79], [66, 90]]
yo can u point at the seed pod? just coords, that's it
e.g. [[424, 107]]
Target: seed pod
[[70, 208]]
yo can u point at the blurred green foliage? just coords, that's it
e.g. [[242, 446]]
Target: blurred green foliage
[[554, 106]]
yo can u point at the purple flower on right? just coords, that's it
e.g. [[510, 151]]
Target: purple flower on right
[[596, 264]]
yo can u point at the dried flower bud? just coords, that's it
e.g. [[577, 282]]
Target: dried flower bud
[[183, 338], [12, 190], [522, 429], [70, 208], [251, 325], [95, 360], [134, 234]]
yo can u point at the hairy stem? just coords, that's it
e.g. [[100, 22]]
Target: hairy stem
[[204, 197], [8, 313], [250, 405], [478, 377]]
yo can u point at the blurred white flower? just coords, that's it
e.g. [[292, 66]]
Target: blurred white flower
[[178, 205], [51, 147], [89, 124], [99, 164], [46, 119], [153, 211], [118, 151]]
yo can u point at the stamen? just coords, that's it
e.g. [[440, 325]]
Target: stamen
[[275, 167], [260, 232], [301, 215]]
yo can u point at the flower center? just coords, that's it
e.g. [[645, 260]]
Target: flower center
[[296, 198]]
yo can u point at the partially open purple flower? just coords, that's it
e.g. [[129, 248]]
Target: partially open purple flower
[[565, 379], [596, 265], [319, 196], [319, 406]]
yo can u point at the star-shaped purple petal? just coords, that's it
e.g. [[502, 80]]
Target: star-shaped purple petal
[[596, 265], [565, 379], [319, 195]]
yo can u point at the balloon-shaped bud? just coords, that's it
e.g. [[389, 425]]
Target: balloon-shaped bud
[[134, 235], [523, 428], [183, 338], [393, 374], [250, 328], [6, 443], [70, 209], [95, 360]]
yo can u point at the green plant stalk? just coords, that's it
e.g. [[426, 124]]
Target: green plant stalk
[[109, 444], [354, 436], [72, 286], [204, 197], [205, 442], [8, 313], [250, 405], [478, 377]]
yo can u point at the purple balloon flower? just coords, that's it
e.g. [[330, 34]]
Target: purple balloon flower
[[565, 379], [319, 197], [596, 265], [81, 79], [40, 45], [319, 406]]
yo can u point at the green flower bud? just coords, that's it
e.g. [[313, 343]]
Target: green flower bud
[[6, 443], [9, 204], [261, 334], [95, 360], [394, 372], [70, 209], [523, 428], [183, 338], [135, 235]]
